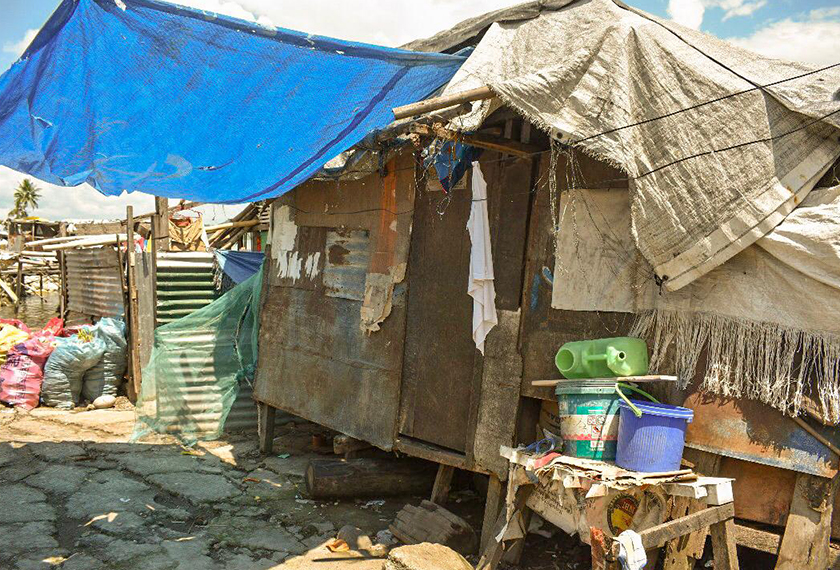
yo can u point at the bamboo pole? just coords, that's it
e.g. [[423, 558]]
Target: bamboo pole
[[436, 103], [89, 241]]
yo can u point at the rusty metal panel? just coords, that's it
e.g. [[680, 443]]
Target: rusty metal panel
[[94, 285], [347, 260], [315, 360], [752, 431]]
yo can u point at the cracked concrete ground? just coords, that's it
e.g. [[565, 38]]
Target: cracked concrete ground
[[77, 495]]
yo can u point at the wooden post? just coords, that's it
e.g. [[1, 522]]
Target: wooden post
[[132, 309], [265, 426], [160, 225], [808, 527], [443, 480], [19, 283]]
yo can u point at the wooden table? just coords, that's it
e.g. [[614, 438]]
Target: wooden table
[[557, 491]]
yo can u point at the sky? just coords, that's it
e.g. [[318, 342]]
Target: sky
[[803, 30]]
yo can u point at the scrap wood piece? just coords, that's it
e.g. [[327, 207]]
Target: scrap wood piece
[[432, 523]]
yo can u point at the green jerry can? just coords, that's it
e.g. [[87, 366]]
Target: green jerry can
[[603, 358]]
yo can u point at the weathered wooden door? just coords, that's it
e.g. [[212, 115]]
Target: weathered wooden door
[[439, 350]]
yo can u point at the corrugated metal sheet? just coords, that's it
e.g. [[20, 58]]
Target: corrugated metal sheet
[[94, 282], [184, 285]]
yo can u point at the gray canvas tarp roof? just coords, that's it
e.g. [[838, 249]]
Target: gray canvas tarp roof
[[712, 176]]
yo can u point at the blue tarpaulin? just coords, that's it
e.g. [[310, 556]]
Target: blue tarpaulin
[[143, 95], [239, 265]]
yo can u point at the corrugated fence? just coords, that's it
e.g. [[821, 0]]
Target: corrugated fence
[[94, 285]]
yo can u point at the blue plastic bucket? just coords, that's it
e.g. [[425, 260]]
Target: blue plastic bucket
[[653, 442]]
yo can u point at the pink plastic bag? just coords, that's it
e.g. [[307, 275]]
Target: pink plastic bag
[[23, 372]]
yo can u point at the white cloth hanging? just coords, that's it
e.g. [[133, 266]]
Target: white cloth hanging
[[631, 553], [480, 285]]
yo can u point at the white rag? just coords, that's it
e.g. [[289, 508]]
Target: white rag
[[631, 552], [480, 285]]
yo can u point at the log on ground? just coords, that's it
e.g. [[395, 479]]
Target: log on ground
[[368, 477]]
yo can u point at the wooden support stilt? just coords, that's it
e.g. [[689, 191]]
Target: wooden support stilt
[[265, 427], [492, 506], [443, 481]]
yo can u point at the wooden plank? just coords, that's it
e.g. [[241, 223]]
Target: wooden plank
[[805, 542], [435, 400], [265, 426], [676, 556], [434, 453], [496, 424], [723, 545], [657, 536], [443, 481], [639, 379]]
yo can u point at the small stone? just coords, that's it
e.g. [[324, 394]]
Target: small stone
[[426, 556]]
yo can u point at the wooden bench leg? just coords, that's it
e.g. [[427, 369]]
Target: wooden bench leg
[[443, 480], [265, 426], [724, 547]]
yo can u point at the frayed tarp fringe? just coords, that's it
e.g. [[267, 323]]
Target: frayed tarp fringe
[[747, 359]]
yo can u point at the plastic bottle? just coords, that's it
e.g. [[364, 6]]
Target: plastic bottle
[[603, 358]]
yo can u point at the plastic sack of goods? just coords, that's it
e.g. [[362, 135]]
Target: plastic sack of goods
[[105, 377], [22, 372], [66, 367]]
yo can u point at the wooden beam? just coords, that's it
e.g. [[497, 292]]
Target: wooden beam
[[500, 144], [228, 225], [650, 378], [133, 327], [657, 536], [435, 103], [493, 551]]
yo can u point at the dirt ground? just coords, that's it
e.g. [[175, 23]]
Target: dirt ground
[[77, 495]]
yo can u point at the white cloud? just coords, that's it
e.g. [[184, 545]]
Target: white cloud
[[690, 13], [85, 203], [402, 21], [17, 48], [813, 39]]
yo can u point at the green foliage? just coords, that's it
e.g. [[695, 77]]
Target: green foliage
[[26, 197]]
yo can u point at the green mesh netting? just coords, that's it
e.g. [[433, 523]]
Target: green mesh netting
[[198, 364]]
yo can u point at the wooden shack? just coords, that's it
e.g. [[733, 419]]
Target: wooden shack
[[366, 327]]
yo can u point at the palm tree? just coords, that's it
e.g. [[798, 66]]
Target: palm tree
[[26, 196]]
